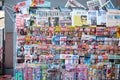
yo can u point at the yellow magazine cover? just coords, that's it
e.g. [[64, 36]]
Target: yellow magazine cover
[[77, 20], [118, 32]]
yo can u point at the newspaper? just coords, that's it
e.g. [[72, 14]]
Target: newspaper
[[51, 13], [113, 18], [101, 17], [92, 4], [53, 18], [92, 17]]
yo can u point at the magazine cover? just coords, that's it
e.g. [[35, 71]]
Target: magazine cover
[[88, 39], [19, 74], [19, 21], [42, 21], [53, 21], [83, 72], [67, 75], [102, 31], [79, 18], [63, 41], [68, 59], [92, 17], [37, 73], [28, 73], [65, 21], [118, 32]]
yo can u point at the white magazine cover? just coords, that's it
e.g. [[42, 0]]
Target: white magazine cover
[[63, 41]]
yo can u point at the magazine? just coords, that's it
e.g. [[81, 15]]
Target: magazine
[[19, 21], [79, 18], [42, 21], [65, 21], [53, 21], [118, 33]]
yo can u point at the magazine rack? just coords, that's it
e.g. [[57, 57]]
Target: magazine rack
[[67, 44]]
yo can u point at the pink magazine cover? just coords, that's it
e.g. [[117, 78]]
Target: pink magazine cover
[[82, 72], [67, 76], [28, 74]]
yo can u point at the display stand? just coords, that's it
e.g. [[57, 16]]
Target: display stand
[[69, 44]]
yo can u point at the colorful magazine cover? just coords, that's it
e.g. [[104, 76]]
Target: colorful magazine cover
[[28, 74], [65, 21], [79, 18], [53, 21], [19, 74], [37, 73], [68, 76], [42, 21], [83, 72], [63, 41], [19, 21], [118, 33]]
